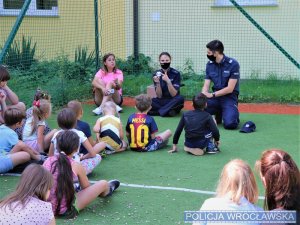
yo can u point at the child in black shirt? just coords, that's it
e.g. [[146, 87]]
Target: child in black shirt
[[200, 129]]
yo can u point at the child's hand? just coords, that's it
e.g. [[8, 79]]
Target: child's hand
[[107, 92], [117, 84], [81, 156], [174, 149], [217, 143], [116, 81]]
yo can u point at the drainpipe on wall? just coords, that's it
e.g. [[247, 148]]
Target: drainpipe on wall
[[136, 29], [96, 33]]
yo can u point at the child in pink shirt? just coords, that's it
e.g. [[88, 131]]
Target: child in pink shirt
[[63, 196], [28, 203], [107, 84]]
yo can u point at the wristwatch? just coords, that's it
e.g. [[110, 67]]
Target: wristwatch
[[214, 94]]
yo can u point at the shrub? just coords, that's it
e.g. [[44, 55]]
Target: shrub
[[21, 56], [141, 66]]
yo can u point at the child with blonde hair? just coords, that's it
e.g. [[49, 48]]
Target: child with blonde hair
[[33, 131], [63, 197], [66, 120], [39, 94], [236, 191], [28, 203], [141, 128], [108, 129]]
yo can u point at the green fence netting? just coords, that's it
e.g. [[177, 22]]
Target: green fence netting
[[58, 42]]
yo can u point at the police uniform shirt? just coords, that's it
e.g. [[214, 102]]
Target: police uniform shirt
[[174, 77], [220, 73]]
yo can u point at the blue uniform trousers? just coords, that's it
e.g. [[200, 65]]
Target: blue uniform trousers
[[164, 105], [227, 106]]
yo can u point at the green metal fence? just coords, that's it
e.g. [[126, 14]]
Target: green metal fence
[[63, 39]]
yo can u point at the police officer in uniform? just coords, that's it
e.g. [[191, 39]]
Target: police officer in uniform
[[224, 73], [167, 81]]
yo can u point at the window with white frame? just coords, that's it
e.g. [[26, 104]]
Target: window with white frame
[[221, 3], [36, 7]]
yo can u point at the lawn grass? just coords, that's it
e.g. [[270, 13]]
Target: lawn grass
[[63, 90], [147, 206]]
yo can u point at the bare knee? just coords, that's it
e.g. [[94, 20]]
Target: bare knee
[[99, 147], [168, 133], [21, 106], [20, 146]]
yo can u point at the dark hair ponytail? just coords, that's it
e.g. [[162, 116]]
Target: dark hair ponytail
[[67, 143], [282, 179], [64, 188]]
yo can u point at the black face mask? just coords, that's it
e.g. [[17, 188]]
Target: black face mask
[[165, 66], [211, 58]]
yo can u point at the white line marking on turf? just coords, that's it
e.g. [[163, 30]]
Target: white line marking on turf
[[171, 189], [11, 174], [150, 187]]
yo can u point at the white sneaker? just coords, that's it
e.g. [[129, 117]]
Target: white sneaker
[[119, 108], [98, 111]]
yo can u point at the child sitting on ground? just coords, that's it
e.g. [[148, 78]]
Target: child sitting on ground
[[199, 128], [10, 145], [108, 129], [39, 95], [141, 128], [3, 106], [65, 201], [28, 203], [11, 99], [281, 179], [81, 125], [236, 191], [33, 131], [66, 120]]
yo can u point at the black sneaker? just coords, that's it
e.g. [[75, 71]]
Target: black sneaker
[[212, 148], [113, 185]]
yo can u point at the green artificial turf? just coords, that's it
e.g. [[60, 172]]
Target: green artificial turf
[[131, 205]]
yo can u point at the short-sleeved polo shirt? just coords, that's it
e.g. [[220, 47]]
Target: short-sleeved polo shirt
[[220, 73]]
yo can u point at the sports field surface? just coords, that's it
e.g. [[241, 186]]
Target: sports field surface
[[158, 187]]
